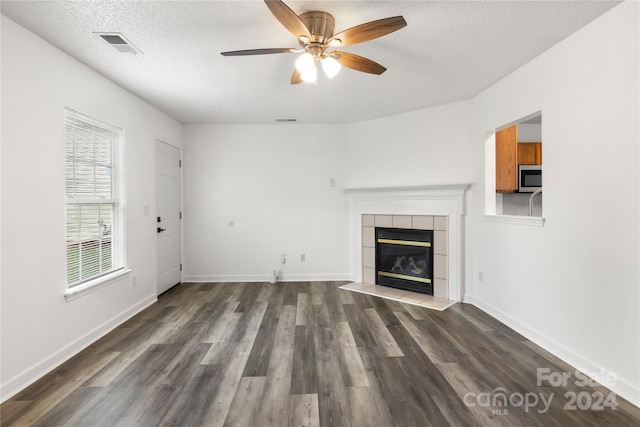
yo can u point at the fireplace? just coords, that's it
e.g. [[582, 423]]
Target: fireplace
[[440, 209], [404, 259]]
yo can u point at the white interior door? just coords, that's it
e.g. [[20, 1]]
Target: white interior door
[[168, 216]]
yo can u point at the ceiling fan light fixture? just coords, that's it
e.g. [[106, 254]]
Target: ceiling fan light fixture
[[305, 63], [310, 75], [330, 67]]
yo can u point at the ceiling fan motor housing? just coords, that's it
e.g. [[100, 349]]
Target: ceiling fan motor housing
[[320, 24]]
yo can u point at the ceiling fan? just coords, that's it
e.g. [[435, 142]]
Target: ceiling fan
[[314, 31]]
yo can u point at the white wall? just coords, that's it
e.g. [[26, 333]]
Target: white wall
[[273, 183], [39, 329], [572, 285], [424, 147]]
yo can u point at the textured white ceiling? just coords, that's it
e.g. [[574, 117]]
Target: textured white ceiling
[[449, 51]]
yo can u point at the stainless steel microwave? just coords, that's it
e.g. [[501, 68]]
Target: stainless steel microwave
[[529, 178]]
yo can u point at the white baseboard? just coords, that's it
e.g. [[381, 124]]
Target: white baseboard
[[30, 375], [330, 277], [266, 278], [226, 278], [623, 386]]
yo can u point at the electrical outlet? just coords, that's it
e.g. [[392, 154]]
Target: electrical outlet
[[134, 281], [283, 259], [480, 276], [303, 257], [332, 182]]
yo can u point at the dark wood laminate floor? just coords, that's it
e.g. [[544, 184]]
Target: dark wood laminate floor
[[307, 354]]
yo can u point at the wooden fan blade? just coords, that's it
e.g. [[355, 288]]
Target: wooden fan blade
[[257, 51], [369, 31], [358, 63], [295, 77], [288, 18]]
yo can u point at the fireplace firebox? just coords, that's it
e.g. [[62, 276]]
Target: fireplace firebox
[[404, 259]]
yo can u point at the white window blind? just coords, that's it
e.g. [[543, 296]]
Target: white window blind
[[95, 209]]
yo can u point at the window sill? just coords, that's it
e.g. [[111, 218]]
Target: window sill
[[94, 285], [532, 221]]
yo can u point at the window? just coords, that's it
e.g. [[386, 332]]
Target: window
[[94, 205]]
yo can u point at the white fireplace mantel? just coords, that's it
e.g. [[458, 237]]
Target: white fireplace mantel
[[442, 200]]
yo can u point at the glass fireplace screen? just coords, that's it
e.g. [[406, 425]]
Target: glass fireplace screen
[[404, 259]]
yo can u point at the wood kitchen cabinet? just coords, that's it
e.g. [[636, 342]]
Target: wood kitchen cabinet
[[529, 153], [507, 160]]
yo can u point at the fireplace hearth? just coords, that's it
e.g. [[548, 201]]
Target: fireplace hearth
[[404, 259]]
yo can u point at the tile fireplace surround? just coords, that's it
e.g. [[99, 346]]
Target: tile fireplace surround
[[438, 208], [438, 224]]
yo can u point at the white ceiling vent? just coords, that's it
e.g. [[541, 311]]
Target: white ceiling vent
[[118, 41]]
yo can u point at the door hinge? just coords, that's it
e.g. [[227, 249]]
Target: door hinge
[[180, 266], [179, 163], [180, 215]]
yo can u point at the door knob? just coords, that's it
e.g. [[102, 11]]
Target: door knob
[[160, 230]]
